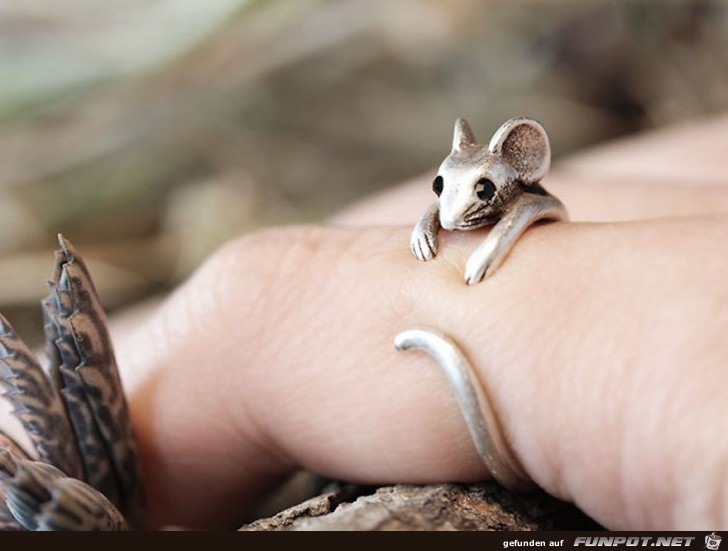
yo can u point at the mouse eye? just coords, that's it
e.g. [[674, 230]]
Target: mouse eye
[[437, 185], [485, 189]]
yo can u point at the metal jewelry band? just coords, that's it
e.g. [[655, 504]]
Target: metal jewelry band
[[478, 185], [477, 409], [522, 214]]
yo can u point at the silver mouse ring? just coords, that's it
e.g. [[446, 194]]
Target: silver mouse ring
[[478, 185]]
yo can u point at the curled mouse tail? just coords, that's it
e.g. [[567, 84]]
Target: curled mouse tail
[[474, 404]]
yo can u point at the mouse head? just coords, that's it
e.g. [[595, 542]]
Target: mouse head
[[475, 182]]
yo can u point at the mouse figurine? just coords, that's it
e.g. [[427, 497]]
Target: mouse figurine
[[479, 185]]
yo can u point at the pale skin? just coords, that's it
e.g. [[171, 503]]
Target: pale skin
[[603, 346]]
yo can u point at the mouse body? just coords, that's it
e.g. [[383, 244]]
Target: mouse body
[[479, 185]]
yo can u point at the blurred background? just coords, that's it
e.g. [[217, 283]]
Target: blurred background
[[151, 131]]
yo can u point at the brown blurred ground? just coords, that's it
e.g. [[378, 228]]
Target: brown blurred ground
[[150, 132]]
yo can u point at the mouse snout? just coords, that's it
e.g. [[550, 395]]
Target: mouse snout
[[449, 220]]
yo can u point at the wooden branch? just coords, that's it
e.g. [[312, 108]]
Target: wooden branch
[[433, 507]]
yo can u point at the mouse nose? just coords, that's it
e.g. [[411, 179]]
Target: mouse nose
[[448, 221]]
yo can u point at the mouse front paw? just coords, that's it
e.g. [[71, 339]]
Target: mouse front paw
[[423, 245], [474, 273]]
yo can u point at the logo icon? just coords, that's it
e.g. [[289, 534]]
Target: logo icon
[[712, 541]]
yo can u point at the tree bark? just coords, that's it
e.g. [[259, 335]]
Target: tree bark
[[432, 507]]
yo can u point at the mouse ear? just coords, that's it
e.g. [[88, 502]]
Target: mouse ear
[[463, 135], [524, 145]]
